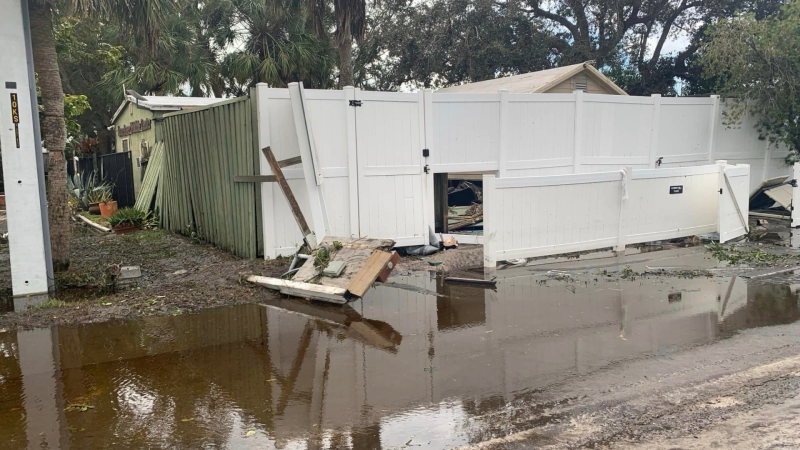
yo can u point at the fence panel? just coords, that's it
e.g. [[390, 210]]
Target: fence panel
[[204, 149], [117, 169], [539, 216], [329, 120]]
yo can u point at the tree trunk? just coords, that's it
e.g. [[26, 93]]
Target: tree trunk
[[346, 62], [54, 130]]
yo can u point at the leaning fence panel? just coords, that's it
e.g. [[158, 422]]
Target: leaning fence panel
[[204, 150]]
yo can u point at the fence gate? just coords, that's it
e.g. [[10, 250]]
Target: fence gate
[[734, 186], [117, 168], [390, 136]]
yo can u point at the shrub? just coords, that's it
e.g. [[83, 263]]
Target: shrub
[[129, 215]]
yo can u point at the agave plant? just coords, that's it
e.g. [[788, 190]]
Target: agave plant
[[79, 187]]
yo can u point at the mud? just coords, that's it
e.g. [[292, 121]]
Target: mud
[[179, 276], [562, 357]]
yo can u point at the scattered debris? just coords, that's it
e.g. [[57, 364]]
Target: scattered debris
[[127, 273], [363, 260], [773, 199], [334, 269], [94, 225], [475, 281]]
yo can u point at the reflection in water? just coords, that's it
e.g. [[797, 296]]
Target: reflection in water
[[399, 366]]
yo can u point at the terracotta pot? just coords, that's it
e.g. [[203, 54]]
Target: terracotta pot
[[94, 208], [108, 209], [125, 228]]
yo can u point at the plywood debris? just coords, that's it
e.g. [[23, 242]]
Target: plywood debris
[[364, 260]]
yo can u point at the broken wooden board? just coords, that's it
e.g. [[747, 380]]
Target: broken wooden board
[[354, 253], [363, 280], [384, 275], [302, 290]]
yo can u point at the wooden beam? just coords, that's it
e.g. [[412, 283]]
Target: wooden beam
[[302, 290], [254, 179], [363, 280], [287, 192], [290, 161]]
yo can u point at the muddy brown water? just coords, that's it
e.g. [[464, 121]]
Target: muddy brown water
[[422, 365]]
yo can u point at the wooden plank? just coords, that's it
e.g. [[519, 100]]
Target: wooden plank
[[287, 191], [303, 290], [474, 281], [290, 161], [363, 280], [254, 179], [384, 275]]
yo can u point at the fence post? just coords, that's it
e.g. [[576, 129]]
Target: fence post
[[654, 130], [713, 134], [267, 199], [765, 170], [796, 195], [503, 157], [577, 141], [430, 210], [626, 186], [490, 218], [352, 161], [721, 186]]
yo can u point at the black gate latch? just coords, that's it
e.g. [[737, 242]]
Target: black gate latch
[[355, 103]]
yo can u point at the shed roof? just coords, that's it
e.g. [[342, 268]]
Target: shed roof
[[164, 103], [533, 82]]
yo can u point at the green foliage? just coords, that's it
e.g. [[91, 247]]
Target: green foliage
[[278, 47], [86, 189], [130, 216], [733, 256], [757, 63]]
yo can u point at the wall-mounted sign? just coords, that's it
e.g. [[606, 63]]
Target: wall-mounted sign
[[15, 115], [676, 189], [133, 127]]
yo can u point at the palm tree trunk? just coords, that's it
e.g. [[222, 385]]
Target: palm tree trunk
[[54, 129], [346, 62]]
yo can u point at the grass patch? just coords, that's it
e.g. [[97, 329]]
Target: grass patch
[[144, 237], [52, 303]]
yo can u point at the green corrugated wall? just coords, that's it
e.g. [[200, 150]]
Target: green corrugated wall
[[204, 149]]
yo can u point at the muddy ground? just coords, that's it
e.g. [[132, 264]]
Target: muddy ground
[[178, 277]]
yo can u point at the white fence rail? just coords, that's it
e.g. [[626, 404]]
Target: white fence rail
[[538, 216]]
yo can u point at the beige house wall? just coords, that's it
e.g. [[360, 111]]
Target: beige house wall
[[131, 114]]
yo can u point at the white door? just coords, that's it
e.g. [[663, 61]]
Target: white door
[[390, 137], [734, 200]]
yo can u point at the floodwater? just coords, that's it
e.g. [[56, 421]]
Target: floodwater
[[423, 365]]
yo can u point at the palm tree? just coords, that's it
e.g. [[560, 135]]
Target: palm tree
[[274, 46], [54, 128], [146, 18], [351, 23]]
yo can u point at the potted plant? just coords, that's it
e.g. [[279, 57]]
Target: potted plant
[[107, 206], [128, 220]]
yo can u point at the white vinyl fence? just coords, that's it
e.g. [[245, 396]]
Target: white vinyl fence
[[537, 216], [371, 178], [555, 134]]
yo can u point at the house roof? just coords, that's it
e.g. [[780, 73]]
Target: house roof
[[533, 82], [164, 103]]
